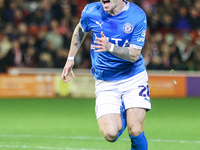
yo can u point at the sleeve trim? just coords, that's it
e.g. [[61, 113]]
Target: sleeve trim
[[136, 46], [83, 29]]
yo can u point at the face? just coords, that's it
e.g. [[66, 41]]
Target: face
[[109, 5]]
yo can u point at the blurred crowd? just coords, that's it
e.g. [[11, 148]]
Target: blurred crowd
[[173, 39], [37, 33]]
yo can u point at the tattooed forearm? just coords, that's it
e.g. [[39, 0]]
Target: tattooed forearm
[[78, 37], [107, 46], [127, 53]]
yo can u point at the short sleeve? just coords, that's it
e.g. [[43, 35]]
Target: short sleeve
[[84, 21], [138, 38]]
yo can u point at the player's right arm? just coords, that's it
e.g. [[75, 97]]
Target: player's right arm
[[77, 39]]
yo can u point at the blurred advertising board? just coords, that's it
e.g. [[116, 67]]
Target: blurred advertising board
[[48, 83], [26, 86], [82, 86], [167, 86], [193, 86]]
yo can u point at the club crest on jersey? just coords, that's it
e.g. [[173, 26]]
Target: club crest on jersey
[[128, 28]]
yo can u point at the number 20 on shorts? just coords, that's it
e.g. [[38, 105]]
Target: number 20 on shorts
[[144, 91]]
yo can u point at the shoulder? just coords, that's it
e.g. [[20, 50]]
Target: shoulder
[[135, 9], [92, 8]]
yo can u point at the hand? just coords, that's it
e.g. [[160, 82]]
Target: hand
[[103, 44], [68, 68]]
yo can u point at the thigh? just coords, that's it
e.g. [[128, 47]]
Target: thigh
[[135, 120], [107, 102]]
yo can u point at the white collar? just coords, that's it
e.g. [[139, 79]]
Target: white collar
[[127, 6]]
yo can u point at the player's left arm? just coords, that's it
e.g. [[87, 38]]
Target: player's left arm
[[131, 53], [127, 53]]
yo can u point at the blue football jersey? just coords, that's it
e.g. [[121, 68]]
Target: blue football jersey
[[127, 29]]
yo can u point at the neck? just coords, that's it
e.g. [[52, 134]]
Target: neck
[[118, 9]]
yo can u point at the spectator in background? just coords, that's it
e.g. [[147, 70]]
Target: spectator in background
[[56, 10], [165, 7], [10, 11], [155, 63], [166, 24], [185, 47], [61, 56], [5, 46], [67, 13], [50, 49], [23, 43], [73, 6], [10, 32], [155, 42], [154, 22], [41, 42], [175, 57], [197, 5], [31, 41], [194, 18], [53, 36], [196, 56], [74, 22], [67, 39], [47, 15], [23, 36], [15, 57], [30, 57], [165, 65], [182, 20], [18, 17], [23, 29], [146, 53], [37, 18], [45, 60], [3, 18], [63, 27]]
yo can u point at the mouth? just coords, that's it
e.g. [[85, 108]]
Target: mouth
[[106, 1]]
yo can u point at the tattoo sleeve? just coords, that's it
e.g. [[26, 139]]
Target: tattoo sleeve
[[77, 39], [127, 53]]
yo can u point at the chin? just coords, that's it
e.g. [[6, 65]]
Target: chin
[[106, 9]]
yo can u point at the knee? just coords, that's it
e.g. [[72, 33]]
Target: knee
[[135, 130], [110, 136]]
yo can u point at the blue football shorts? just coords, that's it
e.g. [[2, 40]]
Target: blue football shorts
[[133, 92]]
